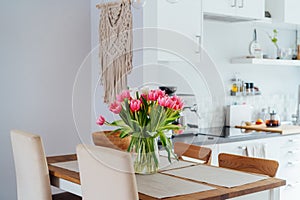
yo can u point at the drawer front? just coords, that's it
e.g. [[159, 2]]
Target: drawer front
[[290, 153], [290, 141], [290, 191], [238, 148], [289, 170]]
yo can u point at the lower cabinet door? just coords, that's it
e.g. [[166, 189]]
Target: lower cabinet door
[[290, 191]]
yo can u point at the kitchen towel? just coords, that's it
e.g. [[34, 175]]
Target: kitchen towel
[[257, 150], [115, 50]]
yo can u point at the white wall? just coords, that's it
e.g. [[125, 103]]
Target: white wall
[[43, 43]]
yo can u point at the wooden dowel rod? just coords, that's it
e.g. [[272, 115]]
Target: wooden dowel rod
[[101, 5]]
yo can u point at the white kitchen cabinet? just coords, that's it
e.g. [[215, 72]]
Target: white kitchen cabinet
[[234, 10], [286, 11], [284, 149], [239, 148], [179, 27], [289, 166]]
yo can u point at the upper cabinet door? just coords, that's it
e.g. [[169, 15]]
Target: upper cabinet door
[[178, 27], [221, 7], [183, 17], [250, 8], [291, 10], [235, 9], [286, 11]]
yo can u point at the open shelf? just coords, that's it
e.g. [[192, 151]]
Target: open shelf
[[257, 61]]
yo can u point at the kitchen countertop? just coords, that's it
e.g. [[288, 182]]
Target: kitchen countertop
[[209, 140]]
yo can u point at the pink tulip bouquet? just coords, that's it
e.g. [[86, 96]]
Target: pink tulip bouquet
[[146, 117]]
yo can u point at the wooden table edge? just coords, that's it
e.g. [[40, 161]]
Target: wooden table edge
[[222, 192]]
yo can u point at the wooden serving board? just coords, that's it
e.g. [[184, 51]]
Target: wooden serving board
[[283, 129]]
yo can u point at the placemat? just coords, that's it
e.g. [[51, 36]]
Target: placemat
[[162, 186], [216, 175], [163, 164], [69, 165]]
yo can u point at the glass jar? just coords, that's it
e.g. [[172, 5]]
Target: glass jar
[[272, 119]]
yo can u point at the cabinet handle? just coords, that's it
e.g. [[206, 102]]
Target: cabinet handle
[[242, 147], [242, 4], [293, 151], [292, 140], [288, 186], [198, 37], [233, 3], [290, 163], [291, 185]]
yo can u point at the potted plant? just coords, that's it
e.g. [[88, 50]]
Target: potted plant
[[274, 40], [146, 117]]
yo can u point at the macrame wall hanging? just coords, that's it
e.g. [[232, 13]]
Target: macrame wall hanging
[[115, 38]]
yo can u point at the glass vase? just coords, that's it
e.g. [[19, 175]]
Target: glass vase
[[146, 159]]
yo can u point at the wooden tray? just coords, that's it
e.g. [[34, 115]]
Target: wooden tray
[[283, 129]]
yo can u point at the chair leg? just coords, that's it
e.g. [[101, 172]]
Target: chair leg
[[66, 196]]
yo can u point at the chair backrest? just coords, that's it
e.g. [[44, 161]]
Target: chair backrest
[[248, 164], [193, 151], [111, 140], [31, 167], [106, 173]]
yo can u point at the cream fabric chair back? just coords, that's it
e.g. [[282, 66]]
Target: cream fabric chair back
[[106, 173], [31, 167]]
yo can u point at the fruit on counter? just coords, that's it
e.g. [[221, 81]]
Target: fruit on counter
[[248, 123], [259, 121]]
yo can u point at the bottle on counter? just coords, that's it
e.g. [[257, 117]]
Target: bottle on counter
[[263, 114]]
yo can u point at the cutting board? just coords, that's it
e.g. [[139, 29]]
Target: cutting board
[[283, 129]]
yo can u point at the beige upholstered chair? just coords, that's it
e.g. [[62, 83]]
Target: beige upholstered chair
[[193, 151], [31, 168], [106, 173]]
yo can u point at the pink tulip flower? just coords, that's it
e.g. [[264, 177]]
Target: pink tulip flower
[[152, 96], [145, 96], [155, 94], [160, 93], [135, 105], [115, 107], [125, 94], [165, 101], [100, 121], [178, 103]]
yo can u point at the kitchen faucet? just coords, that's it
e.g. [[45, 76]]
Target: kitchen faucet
[[182, 120], [297, 115], [192, 108]]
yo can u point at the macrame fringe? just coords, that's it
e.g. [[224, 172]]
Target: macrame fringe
[[115, 35]]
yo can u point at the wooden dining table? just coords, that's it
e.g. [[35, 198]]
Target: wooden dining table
[[69, 180]]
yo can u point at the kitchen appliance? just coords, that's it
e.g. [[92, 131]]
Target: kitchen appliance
[[224, 132], [238, 114], [170, 90]]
